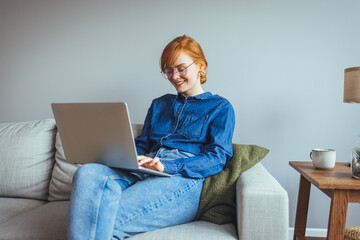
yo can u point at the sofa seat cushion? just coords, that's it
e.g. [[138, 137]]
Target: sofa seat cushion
[[11, 207], [50, 221], [45, 222], [199, 230], [27, 158]]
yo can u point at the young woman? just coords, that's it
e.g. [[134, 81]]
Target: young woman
[[188, 135]]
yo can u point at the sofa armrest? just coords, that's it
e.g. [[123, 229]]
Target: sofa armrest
[[262, 206]]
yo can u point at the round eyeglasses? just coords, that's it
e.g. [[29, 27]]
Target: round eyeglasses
[[168, 72]]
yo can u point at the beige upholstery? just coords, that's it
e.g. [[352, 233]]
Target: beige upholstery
[[10, 207], [45, 222], [27, 152], [199, 230], [49, 222], [61, 181]]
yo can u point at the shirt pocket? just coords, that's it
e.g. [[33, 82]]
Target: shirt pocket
[[193, 127]]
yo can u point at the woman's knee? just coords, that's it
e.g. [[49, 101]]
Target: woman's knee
[[88, 171]]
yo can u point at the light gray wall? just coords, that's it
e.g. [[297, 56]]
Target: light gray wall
[[279, 62]]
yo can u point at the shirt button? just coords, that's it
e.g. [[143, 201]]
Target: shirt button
[[178, 112]]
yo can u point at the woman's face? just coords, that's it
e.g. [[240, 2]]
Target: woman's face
[[185, 81]]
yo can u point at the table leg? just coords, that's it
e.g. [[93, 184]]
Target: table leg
[[337, 216], [302, 208]]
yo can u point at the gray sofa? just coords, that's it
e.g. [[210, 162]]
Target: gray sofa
[[35, 186]]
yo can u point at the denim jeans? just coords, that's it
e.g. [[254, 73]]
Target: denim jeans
[[109, 203]]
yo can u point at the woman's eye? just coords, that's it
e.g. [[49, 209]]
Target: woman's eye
[[180, 69]]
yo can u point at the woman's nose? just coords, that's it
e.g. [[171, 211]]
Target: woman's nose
[[175, 74]]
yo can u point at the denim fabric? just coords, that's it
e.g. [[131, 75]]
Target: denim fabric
[[108, 203], [202, 125]]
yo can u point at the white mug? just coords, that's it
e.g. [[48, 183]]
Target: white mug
[[323, 158]]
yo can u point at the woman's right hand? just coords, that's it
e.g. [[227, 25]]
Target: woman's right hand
[[151, 163]]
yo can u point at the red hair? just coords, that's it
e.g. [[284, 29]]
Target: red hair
[[188, 46]]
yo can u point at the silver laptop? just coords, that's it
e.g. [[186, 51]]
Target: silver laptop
[[98, 133]]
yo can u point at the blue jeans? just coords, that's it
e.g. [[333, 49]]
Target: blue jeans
[[109, 203]]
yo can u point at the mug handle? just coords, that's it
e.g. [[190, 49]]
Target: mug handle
[[310, 155]]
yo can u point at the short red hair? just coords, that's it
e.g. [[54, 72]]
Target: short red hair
[[188, 46]]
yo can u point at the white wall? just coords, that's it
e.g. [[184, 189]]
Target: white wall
[[279, 62]]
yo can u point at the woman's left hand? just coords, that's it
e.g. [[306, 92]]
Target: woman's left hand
[[151, 163]]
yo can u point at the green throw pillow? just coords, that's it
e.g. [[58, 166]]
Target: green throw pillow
[[218, 196]]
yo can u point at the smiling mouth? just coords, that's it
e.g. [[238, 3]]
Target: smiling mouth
[[179, 83]]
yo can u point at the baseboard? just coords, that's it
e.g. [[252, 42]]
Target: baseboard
[[313, 232]]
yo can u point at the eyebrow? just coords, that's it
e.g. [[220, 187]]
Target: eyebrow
[[181, 64]]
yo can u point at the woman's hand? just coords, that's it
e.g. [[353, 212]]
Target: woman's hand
[[151, 163]]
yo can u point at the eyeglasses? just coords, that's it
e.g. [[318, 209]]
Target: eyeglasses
[[168, 72]]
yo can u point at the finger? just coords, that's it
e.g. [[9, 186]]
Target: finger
[[139, 157], [156, 160], [153, 167], [152, 163], [149, 161], [148, 166], [145, 160], [156, 165], [159, 166]]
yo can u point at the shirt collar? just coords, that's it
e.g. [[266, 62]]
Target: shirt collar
[[199, 96]]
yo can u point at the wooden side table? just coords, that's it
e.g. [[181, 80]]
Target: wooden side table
[[337, 184]]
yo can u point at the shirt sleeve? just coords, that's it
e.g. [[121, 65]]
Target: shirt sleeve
[[142, 142], [214, 155]]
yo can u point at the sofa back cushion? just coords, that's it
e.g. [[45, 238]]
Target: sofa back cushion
[[61, 182], [26, 158]]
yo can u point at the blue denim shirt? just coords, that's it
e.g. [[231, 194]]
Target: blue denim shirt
[[202, 125]]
